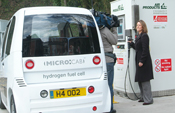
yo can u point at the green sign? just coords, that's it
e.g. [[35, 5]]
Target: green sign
[[156, 6], [163, 6], [120, 8]]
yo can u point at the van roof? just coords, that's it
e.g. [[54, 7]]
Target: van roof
[[54, 10]]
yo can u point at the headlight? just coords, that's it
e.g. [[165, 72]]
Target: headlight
[[43, 93]]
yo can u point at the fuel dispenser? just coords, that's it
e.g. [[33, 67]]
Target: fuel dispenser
[[158, 15], [123, 79]]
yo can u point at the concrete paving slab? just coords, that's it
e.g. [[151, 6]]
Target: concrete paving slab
[[3, 111], [161, 105]]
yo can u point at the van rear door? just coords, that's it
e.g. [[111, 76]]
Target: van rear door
[[60, 47]]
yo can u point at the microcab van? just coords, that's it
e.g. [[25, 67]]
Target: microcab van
[[53, 61]]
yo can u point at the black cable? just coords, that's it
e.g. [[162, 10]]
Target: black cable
[[127, 69]]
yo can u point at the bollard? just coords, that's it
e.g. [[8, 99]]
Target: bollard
[[114, 102]]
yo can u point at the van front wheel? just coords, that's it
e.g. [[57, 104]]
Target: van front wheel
[[1, 103], [12, 105]]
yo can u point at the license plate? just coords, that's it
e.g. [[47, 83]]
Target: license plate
[[64, 93]]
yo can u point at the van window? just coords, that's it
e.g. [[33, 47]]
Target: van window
[[59, 34], [4, 41], [9, 40]]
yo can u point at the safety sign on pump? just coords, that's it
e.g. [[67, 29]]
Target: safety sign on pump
[[163, 65], [160, 18], [120, 61]]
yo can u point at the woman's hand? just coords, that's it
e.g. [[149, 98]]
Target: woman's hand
[[140, 64]]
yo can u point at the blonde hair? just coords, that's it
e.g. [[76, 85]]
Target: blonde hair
[[144, 27]]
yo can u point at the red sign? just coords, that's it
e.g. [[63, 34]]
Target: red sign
[[160, 18], [157, 68], [166, 65], [163, 65], [157, 63], [119, 60]]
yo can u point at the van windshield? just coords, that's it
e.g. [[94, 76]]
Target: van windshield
[[59, 34]]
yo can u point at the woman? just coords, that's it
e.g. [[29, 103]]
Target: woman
[[144, 71]]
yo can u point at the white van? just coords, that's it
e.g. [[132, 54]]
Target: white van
[[53, 62]]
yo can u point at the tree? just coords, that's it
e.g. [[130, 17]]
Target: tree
[[9, 7], [99, 5]]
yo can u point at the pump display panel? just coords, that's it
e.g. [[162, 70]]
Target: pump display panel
[[120, 30]]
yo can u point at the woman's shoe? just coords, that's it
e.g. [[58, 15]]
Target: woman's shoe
[[147, 103], [140, 100]]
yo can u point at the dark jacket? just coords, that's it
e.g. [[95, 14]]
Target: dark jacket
[[144, 73]]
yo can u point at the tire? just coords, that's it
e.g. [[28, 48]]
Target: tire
[[1, 103], [12, 105]]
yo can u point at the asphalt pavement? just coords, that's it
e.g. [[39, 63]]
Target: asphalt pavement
[[164, 104]]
